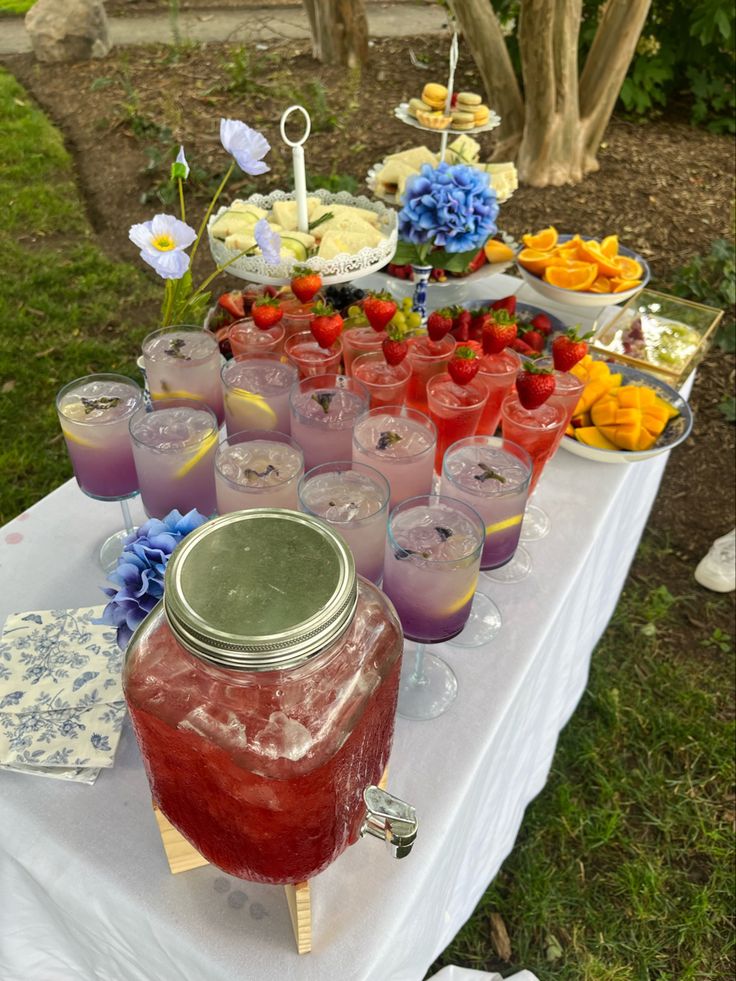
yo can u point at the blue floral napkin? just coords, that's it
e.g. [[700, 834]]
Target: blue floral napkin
[[61, 699]]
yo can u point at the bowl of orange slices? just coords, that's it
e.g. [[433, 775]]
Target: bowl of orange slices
[[573, 270]]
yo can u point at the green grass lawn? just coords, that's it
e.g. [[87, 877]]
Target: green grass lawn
[[15, 7], [623, 869]]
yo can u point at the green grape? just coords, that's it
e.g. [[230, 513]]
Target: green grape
[[413, 320]]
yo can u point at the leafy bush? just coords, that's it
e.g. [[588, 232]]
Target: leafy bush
[[711, 279]]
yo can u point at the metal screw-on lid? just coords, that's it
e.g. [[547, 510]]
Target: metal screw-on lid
[[260, 590]]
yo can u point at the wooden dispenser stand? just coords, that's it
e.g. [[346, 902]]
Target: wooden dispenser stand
[[182, 857]]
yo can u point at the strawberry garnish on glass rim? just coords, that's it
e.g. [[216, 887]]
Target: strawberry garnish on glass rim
[[266, 312], [464, 365], [500, 331], [305, 283], [569, 348], [395, 347], [439, 323], [379, 309], [534, 386], [326, 325]]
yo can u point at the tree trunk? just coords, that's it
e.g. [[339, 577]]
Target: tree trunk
[[339, 31], [605, 69], [482, 34], [551, 150]]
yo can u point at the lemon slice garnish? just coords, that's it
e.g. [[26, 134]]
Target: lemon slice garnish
[[501, 525], [79, 440], [176, 394], [194, 459], [263, 416], [459, 604]]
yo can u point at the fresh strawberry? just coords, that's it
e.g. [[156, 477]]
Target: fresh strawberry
[[568, 349], [461, 324], [439, 323], [479, 321], [534, 386], [266, 312], [379, 308], [507, 303], [478, 260], [305, 284], [521, 347], [326, 325], [233, 303], [464, 365], [534, 339], [394, 351], [499, 332], [542, 323]]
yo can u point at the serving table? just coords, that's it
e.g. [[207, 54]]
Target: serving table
[[86, 892]]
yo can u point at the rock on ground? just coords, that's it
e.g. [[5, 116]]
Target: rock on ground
[[74, 30]]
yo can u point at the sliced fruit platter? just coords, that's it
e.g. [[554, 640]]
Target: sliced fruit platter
[[574, 270], [347, 236], [624, 415]]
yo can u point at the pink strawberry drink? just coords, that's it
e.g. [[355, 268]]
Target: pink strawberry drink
[[246, 338], [538, 431], [491, 475], [498, 373], [359, 340], [257, 473], [297, 316], [568, 390], [399, 442], [257, 390], [309, 358], [431, 566], [323, 412], [455, 410], [386, 383], [183, 363], [174, 452], [94, 413], [426, 359], [354, 500]]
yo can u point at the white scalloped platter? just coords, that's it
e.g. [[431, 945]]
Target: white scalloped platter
[[402, 112], [341, 269], [394, 199]]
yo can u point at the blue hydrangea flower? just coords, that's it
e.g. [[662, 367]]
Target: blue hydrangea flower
[[268, 241], [162, 242], [139, 576], [448, 207], [246, 145]]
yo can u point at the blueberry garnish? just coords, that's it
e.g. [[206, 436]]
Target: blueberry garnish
[[323, 400], [386, 439], [489, 474]]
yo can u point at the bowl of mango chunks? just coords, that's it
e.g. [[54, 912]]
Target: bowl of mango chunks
[[624, 415]]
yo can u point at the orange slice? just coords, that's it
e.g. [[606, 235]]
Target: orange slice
[[601, 285], [627, 268], [620, 285], [497, 251], [591, 252], [609, 246], [576, 276], [543, 241], [535, 261]]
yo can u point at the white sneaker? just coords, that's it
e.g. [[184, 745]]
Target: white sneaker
[[717, 570]]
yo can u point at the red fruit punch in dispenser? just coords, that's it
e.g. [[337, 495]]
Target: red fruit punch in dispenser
[[262, 691]]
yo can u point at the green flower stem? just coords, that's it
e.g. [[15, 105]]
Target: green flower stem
[[181, 199], [203, 286], [210, 209], [168, 304]]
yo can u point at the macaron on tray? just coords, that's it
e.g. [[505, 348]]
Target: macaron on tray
[[466, 114]]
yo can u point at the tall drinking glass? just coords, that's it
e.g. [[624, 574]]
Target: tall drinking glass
[[430, 574], [498, 373], [174, 451], [400, 443], [357, 341], [297, 316], [491, 474], [257, 469], [323, 411], [257, 390], [455, 410], [246, 338], [426, 359], [353, 499], [183, 363], [386, 383], [309, 357], [567, 393], [94, 412]]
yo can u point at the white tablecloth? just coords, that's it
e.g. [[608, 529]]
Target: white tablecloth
[[85, 891]]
